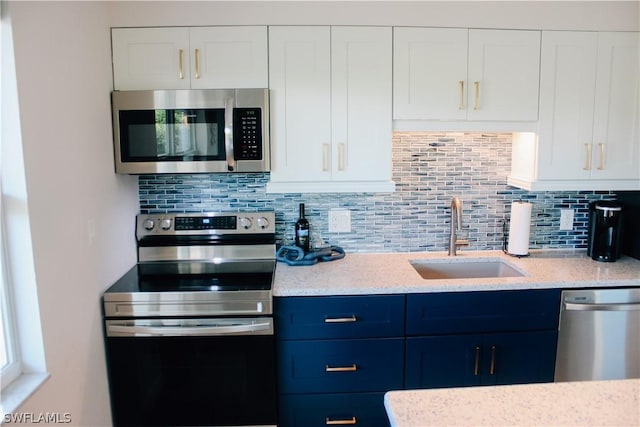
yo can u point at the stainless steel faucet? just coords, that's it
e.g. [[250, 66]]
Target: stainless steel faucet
[[456, 226]]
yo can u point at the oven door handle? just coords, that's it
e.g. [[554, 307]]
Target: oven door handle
[[137, 330]]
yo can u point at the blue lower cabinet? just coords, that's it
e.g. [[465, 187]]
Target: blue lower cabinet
[[443, 361], [520, 358], [481, 359], [315, 410], [326, 366]]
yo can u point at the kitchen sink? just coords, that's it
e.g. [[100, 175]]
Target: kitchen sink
[[464, 268]]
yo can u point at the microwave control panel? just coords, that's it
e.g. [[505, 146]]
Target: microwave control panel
[[247, 133]]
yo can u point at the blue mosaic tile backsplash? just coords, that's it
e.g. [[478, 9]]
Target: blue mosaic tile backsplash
[[428, 168]]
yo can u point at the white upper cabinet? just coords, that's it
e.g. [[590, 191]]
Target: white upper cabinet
[[504, 75], [430, 73], [150, 58], [616, 142], [588, 129], [466, 75], [183, 58], [330, 109]]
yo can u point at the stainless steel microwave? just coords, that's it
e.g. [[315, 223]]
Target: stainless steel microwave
[[191, 131]]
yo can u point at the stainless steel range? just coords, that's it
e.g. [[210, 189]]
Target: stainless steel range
[[189, 329]]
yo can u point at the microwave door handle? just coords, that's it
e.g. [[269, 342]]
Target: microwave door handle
[[228, 134]]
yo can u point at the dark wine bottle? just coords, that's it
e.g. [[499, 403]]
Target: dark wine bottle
[[302, 231]]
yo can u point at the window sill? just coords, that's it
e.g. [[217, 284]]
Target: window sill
[[16, 393]]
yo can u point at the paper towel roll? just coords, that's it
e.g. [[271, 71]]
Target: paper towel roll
[[519, 228]]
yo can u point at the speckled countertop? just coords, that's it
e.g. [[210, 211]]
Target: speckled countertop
[[392, 273], [585, 403]]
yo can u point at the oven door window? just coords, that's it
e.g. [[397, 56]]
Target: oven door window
[[172, 135], [192, 381]]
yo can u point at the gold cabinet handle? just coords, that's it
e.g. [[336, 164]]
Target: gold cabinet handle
[[601, 162], [476, 368], [587, 163], [180, 63], [351, 368], [325, 157], [492, 368], [352, 318], [476, 103], [461, 106], [197, 55], [349, 421], [341, 156]]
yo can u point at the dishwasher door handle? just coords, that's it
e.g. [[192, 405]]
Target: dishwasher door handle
[[572, 306]]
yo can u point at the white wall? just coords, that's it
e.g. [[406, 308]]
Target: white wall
[[64, 80], [548, 15]]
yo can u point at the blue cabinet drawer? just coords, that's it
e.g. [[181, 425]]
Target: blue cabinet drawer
[[360, 365], [339, 317], [320, 410], [481, 312]]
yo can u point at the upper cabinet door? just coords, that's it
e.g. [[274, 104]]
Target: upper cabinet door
[[228, 57], [361, 85], [300, 83], [452, 75], [504, 73], [616, 146], [430, 73], [189, 58], [567, 91], [330, 109], [150, 58]]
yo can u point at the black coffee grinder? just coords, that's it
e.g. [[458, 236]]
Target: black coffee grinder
[[605, 220]]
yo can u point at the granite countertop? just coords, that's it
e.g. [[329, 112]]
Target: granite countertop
[[391, 273], [585, 403]]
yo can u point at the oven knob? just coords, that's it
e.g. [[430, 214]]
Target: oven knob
[[245, 223], [165, 224], [263, 222], [148, 224]]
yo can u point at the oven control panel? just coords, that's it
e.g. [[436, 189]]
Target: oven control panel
[[175, 224]]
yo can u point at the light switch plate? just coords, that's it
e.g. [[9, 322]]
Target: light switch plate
[[566, 219], [339, 221]]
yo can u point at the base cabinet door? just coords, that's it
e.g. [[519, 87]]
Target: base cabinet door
[[443, 361], [321, 410], [519, 357], [471, 360]]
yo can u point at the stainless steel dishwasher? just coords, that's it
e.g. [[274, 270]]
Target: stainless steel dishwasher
[[599, 335]]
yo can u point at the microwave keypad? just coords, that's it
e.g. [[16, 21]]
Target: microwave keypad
[[247, 144]]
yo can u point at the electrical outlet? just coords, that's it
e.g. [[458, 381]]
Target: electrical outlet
[[566, 219], [339, 221]]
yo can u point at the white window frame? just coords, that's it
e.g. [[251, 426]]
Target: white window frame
[[18, 294], [13, 368]]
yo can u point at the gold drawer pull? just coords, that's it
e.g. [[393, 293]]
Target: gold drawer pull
[[601, 163], [492, 369], [347, 422], [476, 366], [352, 318], [351, 368], [180, 60], [197, 55], [476, 104], [587, 164]]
